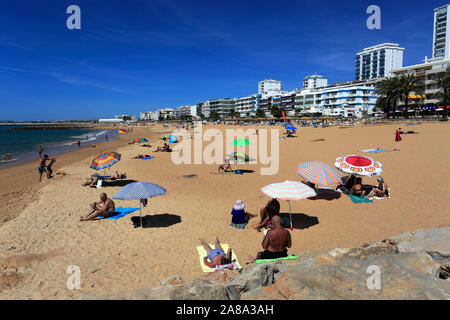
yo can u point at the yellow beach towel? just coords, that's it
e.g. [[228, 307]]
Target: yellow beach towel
[[202, 253]]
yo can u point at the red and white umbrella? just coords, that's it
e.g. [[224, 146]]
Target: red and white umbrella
[[289, 190], [319, 173], [359, 165]]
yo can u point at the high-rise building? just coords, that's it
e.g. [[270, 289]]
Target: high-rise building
[[378, 61], [441, 32], [269, 87], [315, 81]]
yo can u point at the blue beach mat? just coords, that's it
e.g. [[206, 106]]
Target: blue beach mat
[[375, 150], [120, 213], [356, 199], [147, 158]]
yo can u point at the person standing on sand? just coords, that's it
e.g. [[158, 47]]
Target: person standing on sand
[[43, 167], [106, 211], [275, 243], [40, 150]]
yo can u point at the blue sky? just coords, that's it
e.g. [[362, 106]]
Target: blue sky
[[142, 55]]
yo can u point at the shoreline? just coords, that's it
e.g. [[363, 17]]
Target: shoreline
[[23, 182]]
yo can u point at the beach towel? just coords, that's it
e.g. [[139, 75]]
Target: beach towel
[[375, 150], [239, 226], [147, 158], [202, 254], [120, 213], [356, 199], [261, 261]]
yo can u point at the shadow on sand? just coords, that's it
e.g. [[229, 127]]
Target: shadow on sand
[[326, 194], [156, 221], [301, 221], [118, 183]]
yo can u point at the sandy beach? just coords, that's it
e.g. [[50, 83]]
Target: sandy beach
[[41, 235]]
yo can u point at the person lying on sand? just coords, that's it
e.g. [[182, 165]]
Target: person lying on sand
[[318, 140], [118, 175], [147, 145], [275, 243], [349, 182], [381, 191], [93, 180], [216, 256], [132, 142], [141, 156], [271, 209], [164, 148], [96, 210]]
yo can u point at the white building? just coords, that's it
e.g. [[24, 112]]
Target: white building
[[269, 87], [167, 113], [247, 105], [149, 116], [441, 32], [378, 61], [314, 81], [186, 111], [428, 72]]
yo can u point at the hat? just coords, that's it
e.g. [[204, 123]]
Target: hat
[[239, 205], [380, 179]]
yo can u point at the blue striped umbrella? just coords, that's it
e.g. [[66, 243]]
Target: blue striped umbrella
[[139, 191]]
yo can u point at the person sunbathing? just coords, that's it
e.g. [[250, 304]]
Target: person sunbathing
[[349, 182], [225, 167], [271, 209], [106, 211], [141, 156], [164, 148], [118, 175], [147, 145], [381, 191], [216, 256], [275, 243], [93, 180], [358, 188]]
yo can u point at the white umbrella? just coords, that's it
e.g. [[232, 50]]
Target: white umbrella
[[289, 190]]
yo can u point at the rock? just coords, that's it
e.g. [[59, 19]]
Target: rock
[[174, 281], [435, 242], [260, 276]]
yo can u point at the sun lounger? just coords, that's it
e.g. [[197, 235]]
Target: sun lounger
[[202, 254], [261, 261]]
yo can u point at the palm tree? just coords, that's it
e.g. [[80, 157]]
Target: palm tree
[[260, 113], [388, 90], [407, 85], [443, 83]]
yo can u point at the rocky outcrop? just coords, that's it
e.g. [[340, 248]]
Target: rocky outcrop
[[409, 266]]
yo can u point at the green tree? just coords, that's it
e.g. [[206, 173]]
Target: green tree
[[409, 84], [389, 93], [214, 116], [443, 82], [260, 113], [276, 112]]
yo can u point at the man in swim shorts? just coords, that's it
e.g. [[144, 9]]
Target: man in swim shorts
[[216, 256], [275, 243]]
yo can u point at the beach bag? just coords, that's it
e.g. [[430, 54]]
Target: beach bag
[[99, 184]]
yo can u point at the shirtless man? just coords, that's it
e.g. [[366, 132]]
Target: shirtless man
[[357, 189], [275, 243], [106, 211], [217, 256], [43, 167], [271, 209]]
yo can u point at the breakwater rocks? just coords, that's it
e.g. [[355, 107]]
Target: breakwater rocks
[[409, 266]]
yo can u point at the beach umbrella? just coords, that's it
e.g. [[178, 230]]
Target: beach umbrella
[[239, 156], [289, 190], [291, 128], [241, 142], [319, 173], [139, 191], [105, 160], [286, 125], [359, 165], [142, 140]]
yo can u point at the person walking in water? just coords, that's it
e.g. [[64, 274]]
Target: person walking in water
[[40, 150]]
